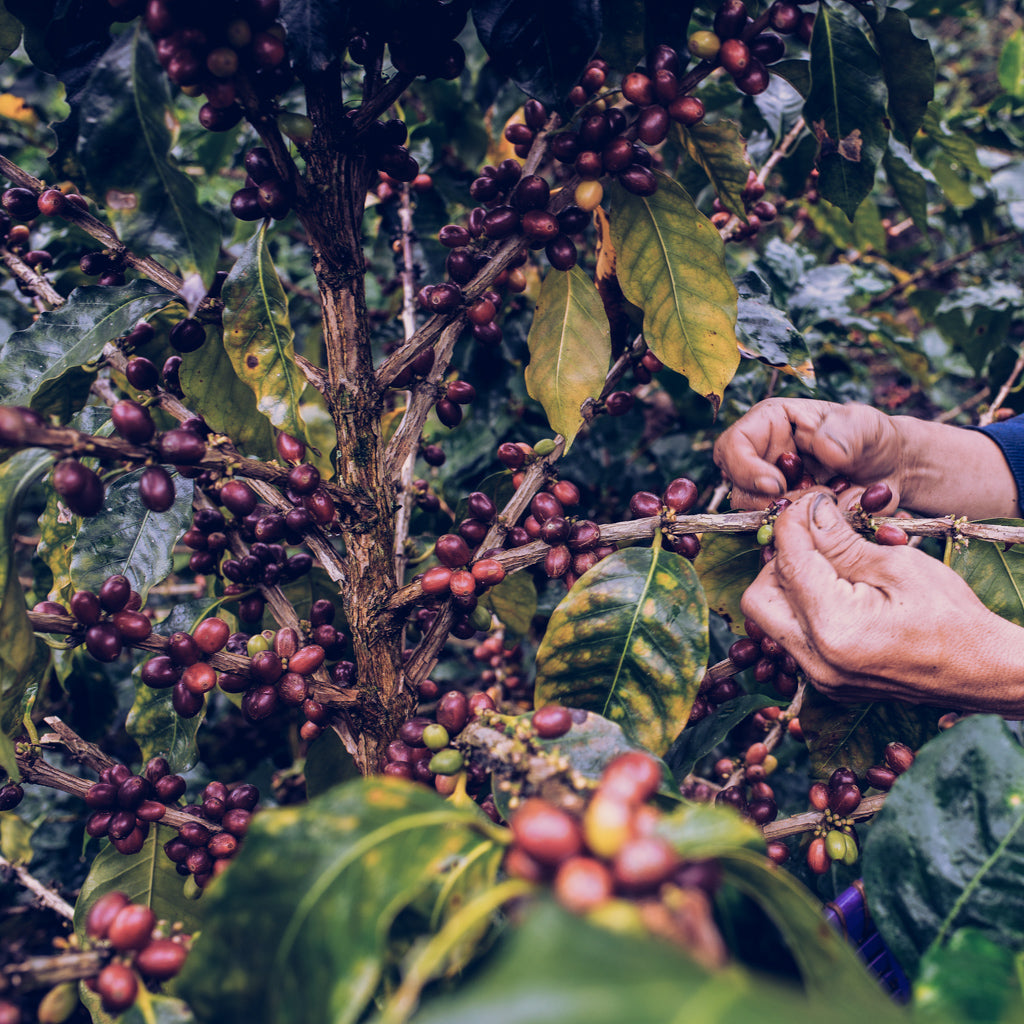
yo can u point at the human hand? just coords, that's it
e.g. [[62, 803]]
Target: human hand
[[867, 622], [854, 441]]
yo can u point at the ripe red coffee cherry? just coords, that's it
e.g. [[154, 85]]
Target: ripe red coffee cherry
[[734, 56], [792, 467], [102, 913], [132, 927], [644, 504], [643, 863], [114, 593], [876, 497], [181, 447], [453, 711], [436, 581], [156, 489], [78, 486], [583, 883], [557, 562], [652, 124], [753, 81], [546, 833], [161, 959], [631, 778], [639, 180], [211, 635], [452, 551], [238, 497], [890, 535], [899, 757], [103, 641], [488, 572], [680, 495], [132, 421], [730, 18], [117, 987], [551, 721], [818, 859]]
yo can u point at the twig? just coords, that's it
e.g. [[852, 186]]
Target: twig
[[47, 971], [810, 820], [47, 897], [989, 414], [41, 288], [968, 403], [935, 269]]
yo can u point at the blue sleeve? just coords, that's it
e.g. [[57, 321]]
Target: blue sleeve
[[1009, 435]]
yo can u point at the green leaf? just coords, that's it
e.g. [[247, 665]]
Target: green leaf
[[570, 347], [514, 602], [629, 641], [311, 897], [994, 574], [908, 182], [766, 333], [328, 763], [10, 32], [670, 263], [971, 979], [695, 742], [828, 965], [845, 109], [316, 32], [258, 336], [856, 734], [130, 539], [700, 831], [555, 968], [721, 151], [147, 877], [909, 69], [23, 659], [1011, 65], [227, 403], [622, 33], [41, 366], [126, 109], [727, 564], [947, 849], [958, 146], [56, 542], [543, 47]]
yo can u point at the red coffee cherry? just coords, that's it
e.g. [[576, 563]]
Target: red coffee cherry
[[632, 777], [156, 489], [102, 913], [876, 497], [899, 757], [546, 833], [890, 535], [817, 856], [551, 721], [132, 927], [436, 581], [211, 635], [117, 987], [161, 959], [680, 495], [583, 883]]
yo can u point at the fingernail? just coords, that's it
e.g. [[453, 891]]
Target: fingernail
[[768, 485], [824, 512], [838, 442]]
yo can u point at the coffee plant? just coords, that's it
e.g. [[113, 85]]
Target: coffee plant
[[370, 630]]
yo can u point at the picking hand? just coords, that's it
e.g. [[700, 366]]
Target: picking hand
[[867, 622], [854, 441]]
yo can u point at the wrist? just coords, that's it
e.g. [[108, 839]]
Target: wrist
[[946, 470]]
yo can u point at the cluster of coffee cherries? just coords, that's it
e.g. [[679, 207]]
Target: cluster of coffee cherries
[[264, 193], [424, 750], [610, 852], [752, 795], [759, 211], [23, 204], [771, 663], [678, 498], [123, 806], [108, 618], [835, 838], [278, 673], [503, 678], [220, 50], [141, 950]]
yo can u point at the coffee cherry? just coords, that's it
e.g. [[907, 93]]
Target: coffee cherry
[[161, 959], [644, 504], [131, 928], [817, 856], [643, 863], [102, 913], [730, 18], [181, 447], [20, 203], [899, 757], [680, 495], [734, 56], [156, 489], [546, 833], [890, 535], [453, 711], [551, 721], [117, 987], [632, 777], [704, 45], [103, 641], [583, 883], [639, 180], [561, 253], [78, 486], [753, 81], [876, 497]]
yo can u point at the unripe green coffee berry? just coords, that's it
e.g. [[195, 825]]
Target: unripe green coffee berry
[[446, 762], [704, 45], [835, 845], [257, 645], [435, 737], [852, 853], [297, 127], [480, 618], [765, 534], [544, 447]]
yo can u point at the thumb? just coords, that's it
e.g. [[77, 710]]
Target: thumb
[[817, 547]]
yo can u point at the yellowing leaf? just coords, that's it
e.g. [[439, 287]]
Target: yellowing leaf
[[14, 108], [671, 263], [570, 347], [258, 336]]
